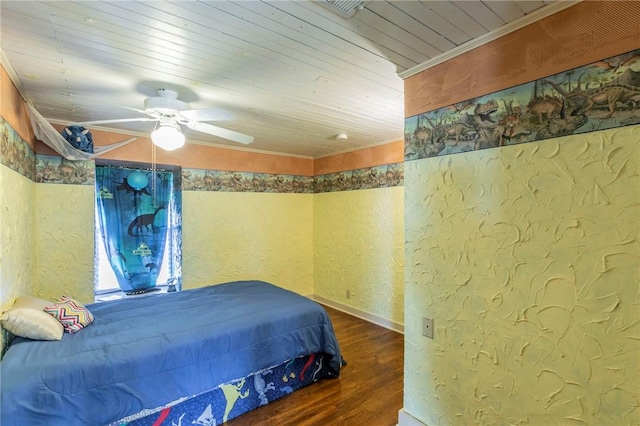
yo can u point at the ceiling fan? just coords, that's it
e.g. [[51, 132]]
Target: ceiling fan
[[170, 113]]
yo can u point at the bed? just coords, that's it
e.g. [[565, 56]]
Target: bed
[[201, 356]]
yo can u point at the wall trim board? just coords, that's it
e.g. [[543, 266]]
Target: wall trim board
[[393, 326], [405, 419]]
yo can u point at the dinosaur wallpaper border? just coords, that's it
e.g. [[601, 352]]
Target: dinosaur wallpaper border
[[597, 96], [232, 181], [385, 176], [54, 169], [15, 152]]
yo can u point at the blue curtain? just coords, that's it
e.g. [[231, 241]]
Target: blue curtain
[[138, 215]]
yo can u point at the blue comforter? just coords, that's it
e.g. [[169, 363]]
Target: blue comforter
[[143, 353]]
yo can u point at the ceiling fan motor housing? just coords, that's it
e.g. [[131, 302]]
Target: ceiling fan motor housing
[[166, 102]]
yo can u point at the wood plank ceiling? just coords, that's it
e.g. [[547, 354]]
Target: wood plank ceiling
[[293, 74]]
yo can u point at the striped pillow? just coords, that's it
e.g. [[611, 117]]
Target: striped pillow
[[72, 315]]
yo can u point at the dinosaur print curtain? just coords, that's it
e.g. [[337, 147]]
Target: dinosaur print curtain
[[138, 219]]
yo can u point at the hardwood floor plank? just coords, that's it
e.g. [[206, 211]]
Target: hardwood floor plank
[[368, 391]]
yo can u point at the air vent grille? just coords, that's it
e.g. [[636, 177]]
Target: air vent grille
[[344, 8]]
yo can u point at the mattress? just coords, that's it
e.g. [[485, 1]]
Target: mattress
[[144, 353]]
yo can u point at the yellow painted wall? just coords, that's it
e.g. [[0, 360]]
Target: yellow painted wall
[[359, 246], [231, 236], [226, 236], [319, 244], [64, 241], [528, 259], [17, 207], [17, 237]]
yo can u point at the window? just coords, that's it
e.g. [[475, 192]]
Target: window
[[138, 231]]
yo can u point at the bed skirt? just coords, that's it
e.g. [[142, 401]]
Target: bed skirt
[[233, 399]]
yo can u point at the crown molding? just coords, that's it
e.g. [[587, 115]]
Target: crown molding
[[519, 23]]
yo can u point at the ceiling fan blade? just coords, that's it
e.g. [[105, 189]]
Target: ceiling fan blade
[[220, 132], [121, 120], [212, 114], [141, 111]]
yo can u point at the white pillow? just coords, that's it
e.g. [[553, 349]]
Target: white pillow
[[27, 318]]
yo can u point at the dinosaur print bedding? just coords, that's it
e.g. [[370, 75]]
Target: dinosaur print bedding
[[144, 354], [230, 400]]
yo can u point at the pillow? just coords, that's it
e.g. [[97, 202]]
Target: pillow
[[26, 318], [72, 315]]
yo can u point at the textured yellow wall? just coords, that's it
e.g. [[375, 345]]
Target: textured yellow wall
[[359, 246], [231, 236], [64, 241], [528, 259], [226, 236], [17, 259]]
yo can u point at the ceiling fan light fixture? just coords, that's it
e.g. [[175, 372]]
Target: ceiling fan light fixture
[[170, 114], [168, 136]]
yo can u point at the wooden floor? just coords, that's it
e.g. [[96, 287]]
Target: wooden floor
[[367, 393]]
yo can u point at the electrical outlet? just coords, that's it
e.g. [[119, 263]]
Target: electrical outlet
[[348, 294], [427, 327]]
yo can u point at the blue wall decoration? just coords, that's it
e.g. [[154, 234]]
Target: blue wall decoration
[[137, 180]]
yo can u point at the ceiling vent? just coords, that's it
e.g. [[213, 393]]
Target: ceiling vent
[[344, 8]]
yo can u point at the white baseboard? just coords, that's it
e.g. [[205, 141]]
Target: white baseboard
[[360, 314], [405, 419]]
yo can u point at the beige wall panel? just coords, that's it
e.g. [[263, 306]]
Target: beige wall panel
[[64, 241], [527, 258], [230, 236], [359, 247], [17, 258]]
